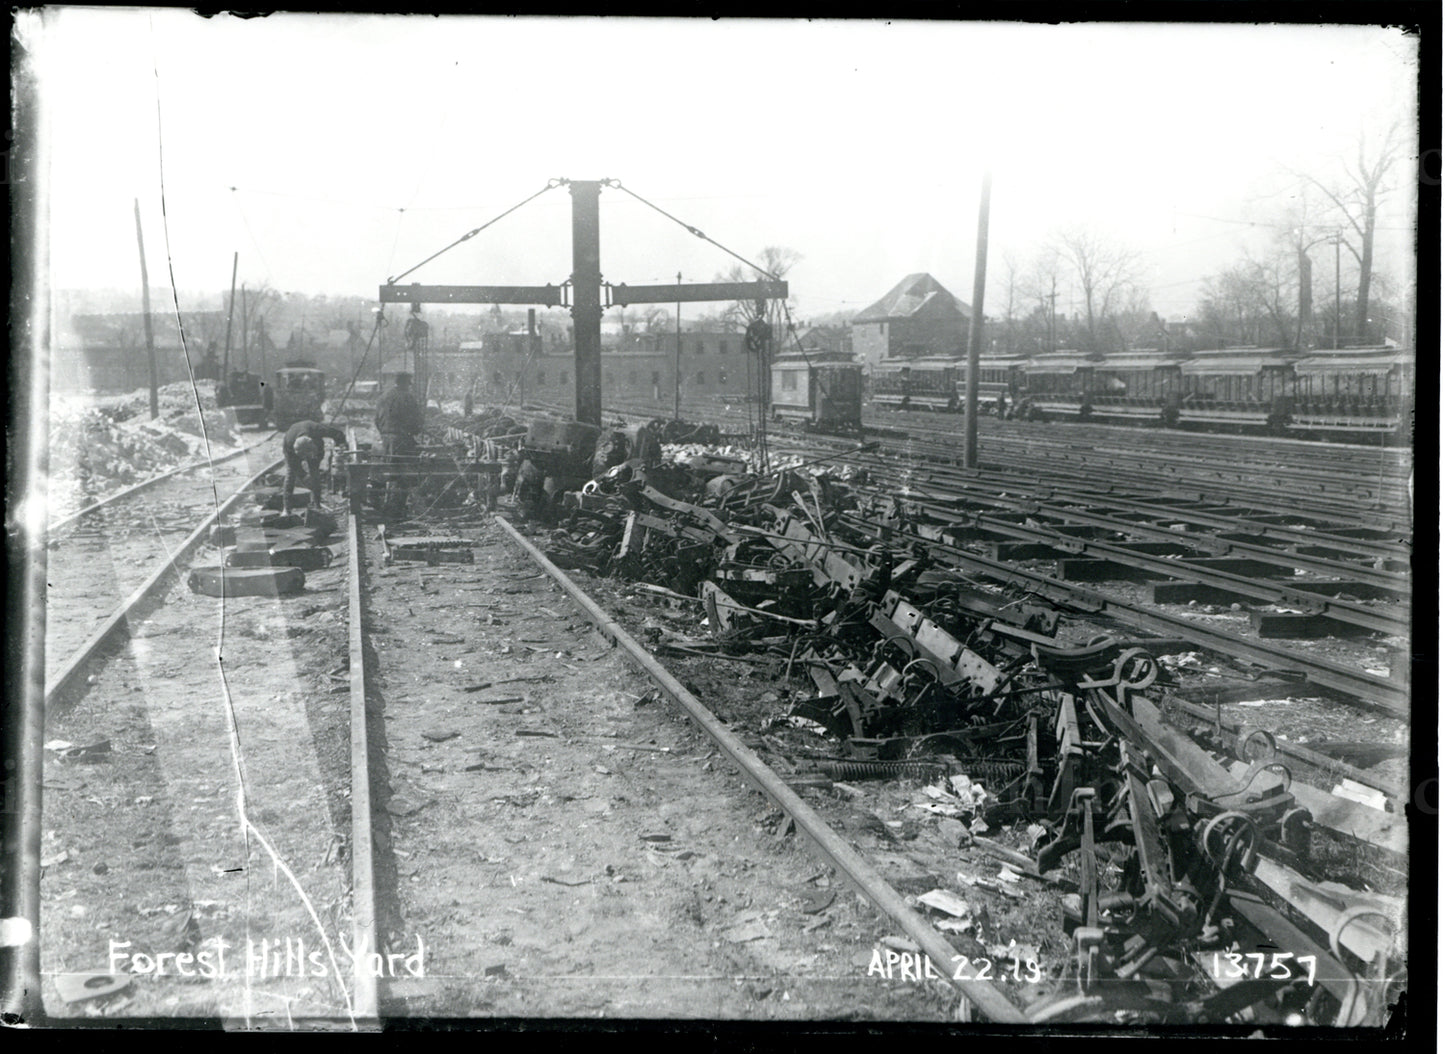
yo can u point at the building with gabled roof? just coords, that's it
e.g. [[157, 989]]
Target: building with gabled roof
[[917, 317]]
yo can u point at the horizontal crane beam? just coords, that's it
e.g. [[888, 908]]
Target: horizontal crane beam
[[623, 295], [549, 295]]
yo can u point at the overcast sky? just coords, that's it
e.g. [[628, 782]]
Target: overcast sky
[[298, 140]]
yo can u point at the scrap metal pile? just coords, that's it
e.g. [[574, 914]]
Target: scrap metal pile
[[1217, 912]]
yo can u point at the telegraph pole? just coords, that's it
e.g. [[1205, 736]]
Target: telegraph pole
[[677, 366], [1339, 237], [975, 331], [230, 313], [145, 292], [1053, 311]]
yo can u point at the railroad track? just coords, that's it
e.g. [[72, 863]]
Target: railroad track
[[104, 558], [241, 800], [195, 805], [1224, 547], [307, 827]]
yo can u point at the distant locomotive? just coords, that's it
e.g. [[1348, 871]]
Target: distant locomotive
[[823, 392]]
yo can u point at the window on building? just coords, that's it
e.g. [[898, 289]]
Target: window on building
[[880, 326], [497, 378], [564, 378], [702, 376], [541, 378], [701, 347], [722, 347], [722, 376], [656, 378], [790, 381]]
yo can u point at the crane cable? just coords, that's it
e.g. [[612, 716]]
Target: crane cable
[[690, 228], [478, 230]]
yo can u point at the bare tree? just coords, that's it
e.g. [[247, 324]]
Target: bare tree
[[775, 260], [1243, 303], [1104, 270], [1357, 199], [1011, 287]]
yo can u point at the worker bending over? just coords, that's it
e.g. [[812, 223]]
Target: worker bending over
[[303, 446]]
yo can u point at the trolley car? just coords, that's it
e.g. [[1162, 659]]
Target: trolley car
[[822, 392]]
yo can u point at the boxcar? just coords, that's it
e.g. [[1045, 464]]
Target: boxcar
[[822, 395]]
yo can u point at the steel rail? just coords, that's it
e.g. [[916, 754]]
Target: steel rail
[[1207, 715], [1178, 466], [1123, 497], [1392, 623], [833, 849], [1265, 499], [1389, 580], [363, 882], [1275, 448], [67, 677], [1388, 695], [146, 484]]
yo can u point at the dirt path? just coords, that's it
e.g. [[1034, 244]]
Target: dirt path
[[144, 841], [579, 850]]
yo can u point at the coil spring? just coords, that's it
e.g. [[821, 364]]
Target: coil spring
[[881, 770], [979, 770]]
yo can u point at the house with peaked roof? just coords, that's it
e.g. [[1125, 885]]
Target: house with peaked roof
[[918, 317]]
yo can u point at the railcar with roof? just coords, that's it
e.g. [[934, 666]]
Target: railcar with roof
[[916, 384], [820, 391]]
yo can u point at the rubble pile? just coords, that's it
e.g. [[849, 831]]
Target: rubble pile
[[96, 450], [895, 664]]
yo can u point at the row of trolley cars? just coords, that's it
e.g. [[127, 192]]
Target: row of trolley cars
[[1339, 394]]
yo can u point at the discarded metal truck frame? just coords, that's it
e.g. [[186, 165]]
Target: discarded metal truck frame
[[1209, 912]]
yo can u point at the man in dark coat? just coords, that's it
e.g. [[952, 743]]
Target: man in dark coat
[[399, 418], [303, 446]]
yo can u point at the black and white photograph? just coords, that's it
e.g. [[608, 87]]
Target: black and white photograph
[[633, 523]]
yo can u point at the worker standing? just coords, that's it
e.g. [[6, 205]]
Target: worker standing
[[399, 420], [302, 447]]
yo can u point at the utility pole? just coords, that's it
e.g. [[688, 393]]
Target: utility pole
[[145, 292], [245, 334], [1339, 237], [230, 312], [677, 365], [1053, 312], [975, 331]]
